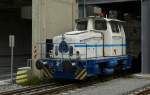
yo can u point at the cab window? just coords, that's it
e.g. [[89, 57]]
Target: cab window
[[100, 25], [82, 25], [115, 26]]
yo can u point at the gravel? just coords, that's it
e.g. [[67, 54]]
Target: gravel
[[6, 86], [112, 87]]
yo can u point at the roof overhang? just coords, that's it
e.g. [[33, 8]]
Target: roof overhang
[[90, 2]]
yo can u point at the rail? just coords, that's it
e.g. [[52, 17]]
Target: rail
[[37, 90], [140, 91], [58, 87]]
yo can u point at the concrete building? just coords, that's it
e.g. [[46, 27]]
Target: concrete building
[[50, 18]]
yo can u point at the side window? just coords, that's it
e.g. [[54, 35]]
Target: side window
[[100, 25], [115, 27]]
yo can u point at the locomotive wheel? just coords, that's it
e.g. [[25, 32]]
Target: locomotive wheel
[[39, 65], [119, 69]]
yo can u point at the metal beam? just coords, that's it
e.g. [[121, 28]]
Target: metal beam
[[145, 37], [7, 4], [81, 2]]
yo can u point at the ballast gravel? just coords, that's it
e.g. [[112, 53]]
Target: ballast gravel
[[119, 86], [7, 86]]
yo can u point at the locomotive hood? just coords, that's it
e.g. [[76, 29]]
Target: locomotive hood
[[76, 36]]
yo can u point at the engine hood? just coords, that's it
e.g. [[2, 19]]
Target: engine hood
[[75, 32], [77, 36], [81, 35]]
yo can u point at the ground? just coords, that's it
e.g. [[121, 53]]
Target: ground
[[5, 65], [120, 86]]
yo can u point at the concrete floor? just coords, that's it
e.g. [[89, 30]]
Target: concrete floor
[[120, 86]]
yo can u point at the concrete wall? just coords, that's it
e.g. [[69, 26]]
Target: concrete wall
[[50, 18]]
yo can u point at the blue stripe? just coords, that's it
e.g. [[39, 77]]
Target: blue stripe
[[100, 45]]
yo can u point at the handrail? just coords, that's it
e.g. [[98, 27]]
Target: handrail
[[103, 40]]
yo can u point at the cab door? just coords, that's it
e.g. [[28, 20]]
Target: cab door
[[117, 38]]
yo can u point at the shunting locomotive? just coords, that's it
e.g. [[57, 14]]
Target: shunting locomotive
[[96, 46]]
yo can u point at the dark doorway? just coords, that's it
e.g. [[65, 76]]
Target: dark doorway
[[13, 22]]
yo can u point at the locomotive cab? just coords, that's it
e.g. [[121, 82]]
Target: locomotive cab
[[112, 31]]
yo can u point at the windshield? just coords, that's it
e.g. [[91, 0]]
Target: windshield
[[82, 25], [100, 25]]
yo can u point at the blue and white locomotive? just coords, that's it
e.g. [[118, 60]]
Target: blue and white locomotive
[[96, 46]]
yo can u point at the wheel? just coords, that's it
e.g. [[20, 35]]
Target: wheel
[[119, 69]]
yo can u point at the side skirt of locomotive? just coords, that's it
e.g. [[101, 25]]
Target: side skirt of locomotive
[[82, 69]]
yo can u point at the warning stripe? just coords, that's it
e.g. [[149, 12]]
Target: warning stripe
[[45, 73], [21, 73], [26, 78], [48, 74], [77, 77], [81, 75], [35, 52]]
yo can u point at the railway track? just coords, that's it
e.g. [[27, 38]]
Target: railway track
[[142, 91], [38, 90], [55, 87], [52, 88]]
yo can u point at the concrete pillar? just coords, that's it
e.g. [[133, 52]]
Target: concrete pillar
[[145, 36], [36, 32], [50, 18]]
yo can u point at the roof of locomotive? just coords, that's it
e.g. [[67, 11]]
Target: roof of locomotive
[[98, 18]]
